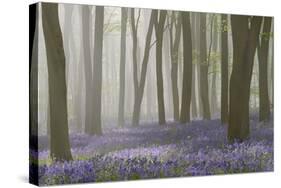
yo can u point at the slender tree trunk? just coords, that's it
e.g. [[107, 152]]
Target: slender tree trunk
[[174, 45], [88, 68], [159, 27], [245, 40], [200, 105], [187, 68], [149, 94], [166, 72], [97, 74], [140, 88], [272, 69], [214, 99], [204, 88], [224, 69], [149, 88], [193, 94], [134, 28], [59, 138], [263, 49], [124, 12], [197, 53]]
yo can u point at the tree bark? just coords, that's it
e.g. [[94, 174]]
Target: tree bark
[[88, 68], [272, 70], [204, 86], [124, 12], [174, 50], [193, 94], [187, 68], [245, 40], [97, 74], [214, 99], [159, 27], [59, 138], [166, 71], [134, 28], [263, 49], [196, 44], [224, 69]]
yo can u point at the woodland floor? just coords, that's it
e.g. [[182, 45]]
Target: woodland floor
[[153, 151]]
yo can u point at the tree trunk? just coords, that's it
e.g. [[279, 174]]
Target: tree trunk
[[224, 69], [149, 96], [135, 44], [214, 99], [193, 94], [272, 70], [263, 49], [124, 12], [197, 56], [140, 87], [245, 40], [97, 74], [88, 68], [59, 138], [187, 68], [200, 105], [174, 45], [166, 72], [159, 26], [204, 88]]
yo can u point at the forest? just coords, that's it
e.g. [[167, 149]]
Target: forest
[[121, 93]]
